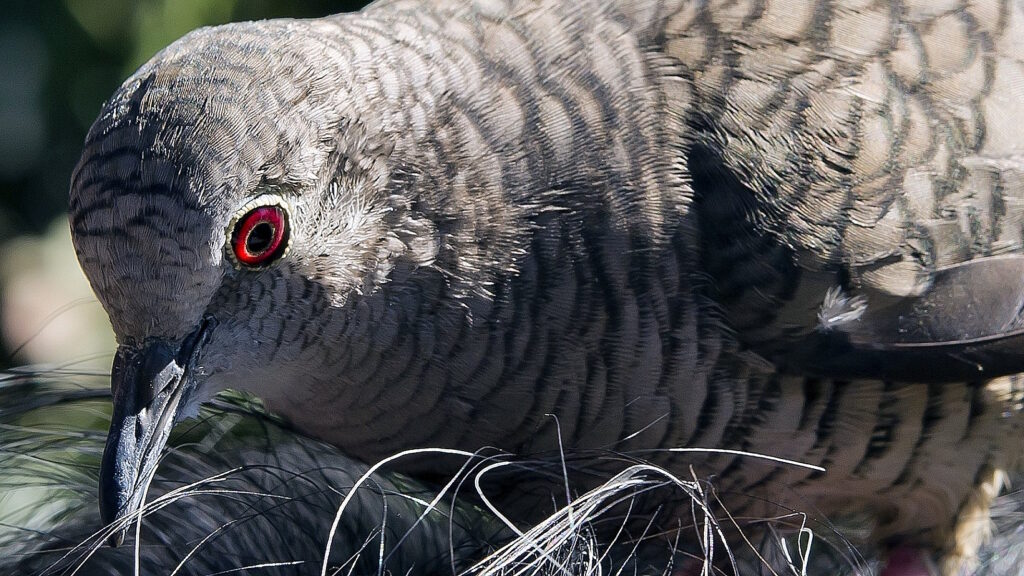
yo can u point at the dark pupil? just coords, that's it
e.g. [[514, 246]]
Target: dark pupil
[[259, 238]]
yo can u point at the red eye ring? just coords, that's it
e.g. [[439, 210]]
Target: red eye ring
[[260, 236]]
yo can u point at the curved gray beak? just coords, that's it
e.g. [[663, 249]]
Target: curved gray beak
[[150, 382]]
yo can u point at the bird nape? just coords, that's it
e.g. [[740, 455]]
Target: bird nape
[[773, 244]]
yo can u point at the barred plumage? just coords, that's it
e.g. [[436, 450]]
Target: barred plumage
[[627, 215]]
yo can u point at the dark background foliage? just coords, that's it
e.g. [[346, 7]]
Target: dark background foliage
[[60, 59]]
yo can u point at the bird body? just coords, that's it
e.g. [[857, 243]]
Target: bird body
[[790, 228]]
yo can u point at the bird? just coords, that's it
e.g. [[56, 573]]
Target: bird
[[692, 231]]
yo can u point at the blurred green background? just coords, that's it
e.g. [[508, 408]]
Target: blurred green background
[[59, 60]]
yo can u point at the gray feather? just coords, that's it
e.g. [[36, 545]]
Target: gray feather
[[623, 214]]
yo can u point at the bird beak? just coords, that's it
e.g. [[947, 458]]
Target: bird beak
[[150, 384]]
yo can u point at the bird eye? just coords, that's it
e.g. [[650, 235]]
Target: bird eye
[[260, 236]]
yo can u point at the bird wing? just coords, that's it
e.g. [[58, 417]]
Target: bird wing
[[867, 147]]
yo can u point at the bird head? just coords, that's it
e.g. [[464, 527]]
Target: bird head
[[231, 207]]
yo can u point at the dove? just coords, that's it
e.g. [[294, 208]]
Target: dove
[[790, 228]]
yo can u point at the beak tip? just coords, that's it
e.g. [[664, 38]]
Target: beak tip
[[116, 504], [117, 535], [117, 538]]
